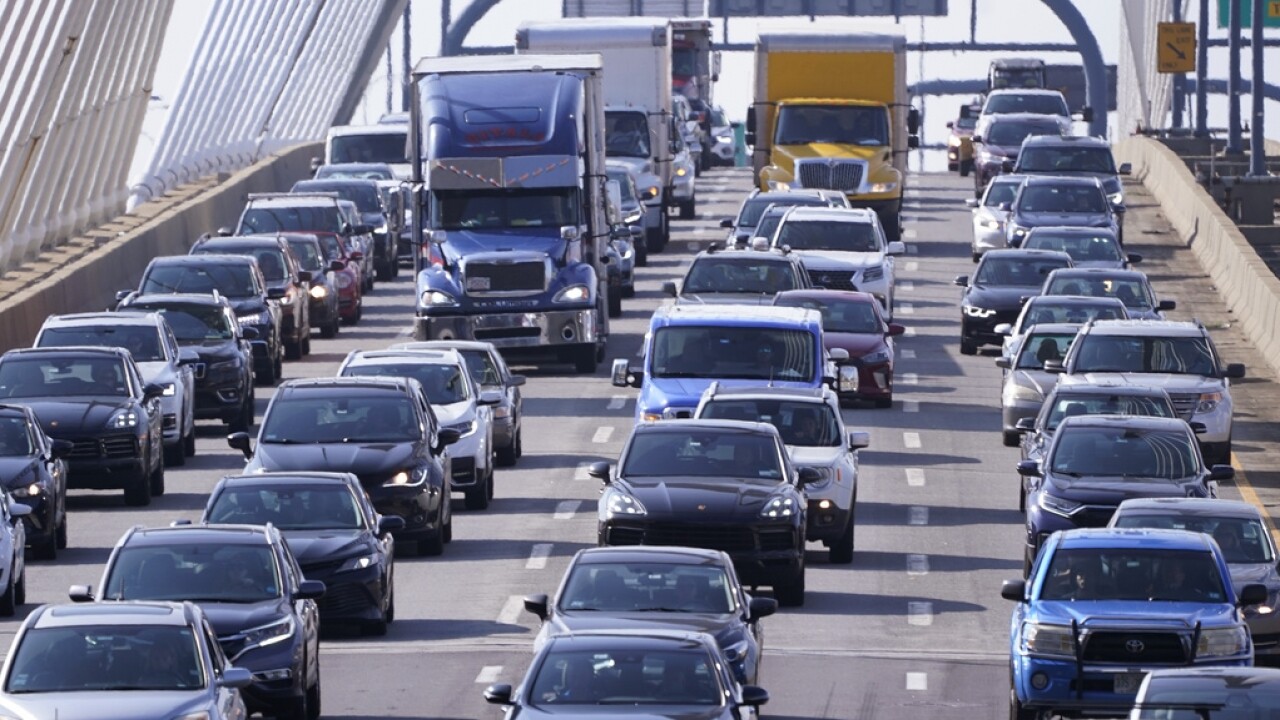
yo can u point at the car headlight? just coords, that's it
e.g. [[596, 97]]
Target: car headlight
[[953, 141], [1050, 640], [1025, 393], [123, 418], [359, 562], [634, 218], [978, 312], [681, 172], [1116, 198], [405, 478], [380, 230], [1018, 230], [573, 294], [1058, 506], [990, 224], [226, 364], [824, 476], [435, 298], [1266, 608], [1223, 642], [650, 416], [28, 491], [724, 138], [734, 648], [343, 280], [779, 185], [873, 273], [464, 428], [288, 298], [319, 292], [651, 192], [258, 318], [618, 503], [882, 187], [779, 507], [1208, 402], [876, 357], [275, 632]]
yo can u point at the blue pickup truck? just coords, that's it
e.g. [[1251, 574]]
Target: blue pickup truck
[[688, 347], [1102, 607]]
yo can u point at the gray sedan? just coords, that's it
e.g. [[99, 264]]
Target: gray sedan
[[1088, 247]]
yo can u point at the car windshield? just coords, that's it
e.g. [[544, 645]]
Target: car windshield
[[332, 247], [489, 209], [1043, 310], [15, 439], [625, 186], [195, 323], [844, 124], [684, 676], [740, 273], [746, 353], [232, 281], [482, 367], [843, 316], [365, 194], [308, 254], [1242, 540], [1067, 404], [271, 261], [212, 571], [98, 658], [647, 586], [1091, 247], [626, 134], [829, 235], [1001, 192], [1134, 574], [1138, 354], [290, 507], [1036, 103], [346, 416], [1015, 271], [1125, 452], [63, 377], [1132, 291], [1068, 199], [1011, 133], [1067, 160], [389, 148], [143, 342], [752, 210], [804, 424], [1039, 347], [444, 384], [355, 171], [291, 218], [768, 223], [706, 453]]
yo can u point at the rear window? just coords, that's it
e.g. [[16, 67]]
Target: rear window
[[233, 281], [1067, 404], [267, 220]]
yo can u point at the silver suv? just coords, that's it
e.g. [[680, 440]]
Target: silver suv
[[1177, 356]]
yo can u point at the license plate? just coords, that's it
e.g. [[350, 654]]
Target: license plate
[[1127, 683], [478, 283]]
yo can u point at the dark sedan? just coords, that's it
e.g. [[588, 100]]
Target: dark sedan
[[333, 531], [666, 588], [720, 484], [323, 288], [382, 430], [994, 294], [94, 398], [34, 473]]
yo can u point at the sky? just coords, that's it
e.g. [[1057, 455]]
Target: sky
[[997, 21]]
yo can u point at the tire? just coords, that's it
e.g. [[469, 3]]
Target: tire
[[968, 347], [966, 166], [842, 549], [189, 442], [1011, 439], [20, 589], [584, 361], [279, 367], [156, 481], [629, 291], [642, 253], [375, 628], [1016, 711], [8, 605], [477, 497], [390, 613], [269, 377], [313, 700], [507, 456], [293, 350], [615, 303], [977, 257], [298, 708], [138, 493], [306, 341], [892, 227], [1022, 497], [175, 455], [330, 329], [60, 534], [792, 594], [384, 271], [47, 550], [688, 209]]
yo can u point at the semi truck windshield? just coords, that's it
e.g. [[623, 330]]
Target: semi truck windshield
[[849, 124], [470, 209]]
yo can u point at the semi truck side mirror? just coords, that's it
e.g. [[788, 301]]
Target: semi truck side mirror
[[913, 142], [913, 121], [750, 135], [1087, 114], [569, 233]]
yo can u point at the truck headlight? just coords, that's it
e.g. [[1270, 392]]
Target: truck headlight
[[1208, 402], [978, 312], [436, 298], [1223, 642], [681, 171], [619, 503], [123, 418], [573, 294], [883, 187], [1049, 640], [1058, 506], [873, 273], [779, 507]]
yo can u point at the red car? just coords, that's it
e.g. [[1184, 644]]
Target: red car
[[349, 281], [855, 322]]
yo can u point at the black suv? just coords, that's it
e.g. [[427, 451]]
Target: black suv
[[367, 196], [285, 278], [738, 277], [94, 397], [240, 281], [224, 373], [249, 585], [718, 484], [1079, 156], [381, 429]]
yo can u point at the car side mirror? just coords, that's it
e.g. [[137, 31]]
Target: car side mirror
[[498, 694], [1252, 594], [1087, 114], [150, 391], [761, 607], [1054, 367], [669, 288], [516, 381], [390, 524], [897, 247], [971, 203], [1133, 258], [19, 510], [961, 280], [1003, 329], [600, 471], [447, 436], [809, 476], [1015, 590], [754, 696], [235, 677], [1004, 362], [346, 229], [1235, 371], [1222, 473], [1006, 166], [240, 441], [1125, 169], [60, 449], [224, 231], [491, 397], [1025, 425], [122, 294], [859, 439], [895, 330], [950, 124], [304, 276], [80, 593], [1030, 468], [725, 223], [536, 604], [249, 333], [316, 163], [337, 266], [1167, 305], [276, 293], [187, 355], [309, 590]]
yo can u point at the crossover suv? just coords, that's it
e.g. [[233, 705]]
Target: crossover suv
[[367, 195], [738, 277], [994, 294], [324, 214], [1077, 156], [1177, 356], [1034, 101], [719, 484], [997, 140], [34, 473], [814, 432], [990, 213], [1058, 201], [149, 339], [1131, 287], [842, 249], [248, 583], [1103, 606]]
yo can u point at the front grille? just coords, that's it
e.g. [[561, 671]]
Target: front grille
[[846, 176], [1093, 516], [1135, 648], [343, 599], [832, 279], [482, 278], [626, 536], [114, 447], [776, 539], [1185, 404], [729, 538]]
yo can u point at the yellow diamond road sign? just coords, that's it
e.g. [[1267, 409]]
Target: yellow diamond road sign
[[1176, 47]]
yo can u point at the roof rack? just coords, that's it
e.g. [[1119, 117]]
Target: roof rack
[[283, 195]]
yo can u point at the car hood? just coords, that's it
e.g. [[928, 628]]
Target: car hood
[[358, 458], [567, 622], [1038, 219], [594, 712], [103, 705], [1038, 380], [1247, 573], [856, 344], [18, 471], [1170, 382], [1104, 264], [839, 259], [1002, 151], [157, 371], [1111, 490], [243, 306], [999, 298], [685, 392], [376, 219], [71, 417], [464, 243], [211, 351], [232, 618], [453, 412], [700, 498], [311, 546], [1138, 613], [805, 456]]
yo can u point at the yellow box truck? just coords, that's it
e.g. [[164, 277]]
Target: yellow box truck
[[831, 111]]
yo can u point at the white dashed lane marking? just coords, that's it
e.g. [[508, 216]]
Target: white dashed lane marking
[[909, 233], [538, 556], [602, 434], [617, 402], [906, 286], [489, 674], [915, 477], [911, 440], [917, 564], [909, 379], [511, 610], [920, 613], [917, 515], [911, 406], [917, 681], [905, 308], [908, 354], [565, 509], [912, 266], [909, 332], [581, 473]]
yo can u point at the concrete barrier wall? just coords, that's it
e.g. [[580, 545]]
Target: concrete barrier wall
[[89, 282], [1251, 290]]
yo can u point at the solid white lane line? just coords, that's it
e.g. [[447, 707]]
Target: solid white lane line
[[917, 681], [920, 613], [912, 266], [617, 402], [511, 610], [911, 406], [917, 564], [538, 556], [911, 440], [565, 509], [908, 354], [906, 286], [602, 434], [905, 308], [918, 515], [915, 477], [489, 675], [909, 379]]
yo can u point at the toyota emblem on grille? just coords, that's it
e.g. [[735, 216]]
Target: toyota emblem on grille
[[702, 507], [1134, 646]]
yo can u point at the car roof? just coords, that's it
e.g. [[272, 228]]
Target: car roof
[[321, 183], [1027, 253], [624, 639], [437, 344], [379, 129], [1197, 507], [212, 534], [126, 317], [770, 255], [353, 381], [772, 195], [168, 299], [1091, 271], [241, 241], [1063, 140], [1147, 328], [735, 315], [652, 553], [1134, 422], [135, 612], [805, 394], [1052, 328], [204, 259], [1062, 180], [299, 199], [1037, 118], [1077, 384], [686, 424], [1151, 538], [275, 479], [70, 350], [435, 356], [1023, 91], [1075, 300], [859, 216]]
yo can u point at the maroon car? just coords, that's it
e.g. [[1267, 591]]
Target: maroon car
[[854, 322]]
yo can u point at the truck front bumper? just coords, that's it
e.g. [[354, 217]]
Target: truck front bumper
[[507, 331], [1095, 687]]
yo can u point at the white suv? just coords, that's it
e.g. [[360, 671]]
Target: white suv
[[842, 249]]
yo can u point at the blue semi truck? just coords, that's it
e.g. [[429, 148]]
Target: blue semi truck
[[509, 152]]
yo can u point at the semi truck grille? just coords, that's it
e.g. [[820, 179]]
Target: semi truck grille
[[846, 176], [483, 278], [1185, 404], [1136, 648]]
